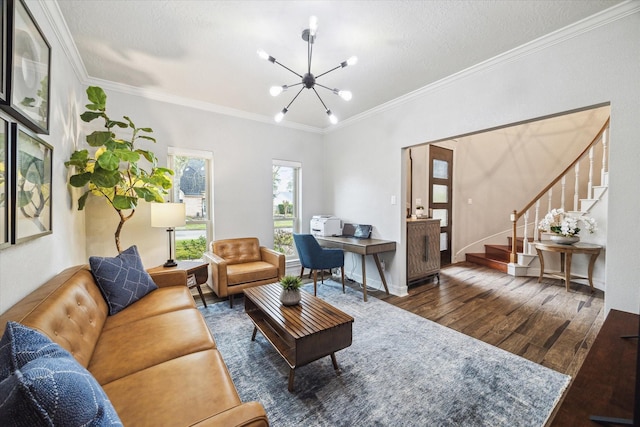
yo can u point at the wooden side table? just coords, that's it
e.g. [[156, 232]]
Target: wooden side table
[[566, 252], [197, 274]]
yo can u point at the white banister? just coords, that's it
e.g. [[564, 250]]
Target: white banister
[[549, 196], [563, 185], [536, 234], [605, 144], [590, 183], [576, 191]]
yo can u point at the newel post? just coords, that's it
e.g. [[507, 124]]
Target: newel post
[[513, 257]]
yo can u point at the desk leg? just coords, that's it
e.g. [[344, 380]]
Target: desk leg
[[384, 280], [567, 269], [541, 258], [364, 278], [592, 262]]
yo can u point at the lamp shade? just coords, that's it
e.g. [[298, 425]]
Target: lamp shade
[[167, 215]]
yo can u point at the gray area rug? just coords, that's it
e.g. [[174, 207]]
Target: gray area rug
[[401, 370]]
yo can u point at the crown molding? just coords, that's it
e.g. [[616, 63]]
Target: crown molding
[[54, 15], [590, 23]]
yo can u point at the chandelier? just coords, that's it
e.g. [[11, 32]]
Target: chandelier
[[308, 80]]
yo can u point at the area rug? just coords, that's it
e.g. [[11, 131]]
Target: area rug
[[400, 370]]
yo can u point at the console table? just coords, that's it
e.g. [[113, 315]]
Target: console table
[[566, 252], [363, 247]]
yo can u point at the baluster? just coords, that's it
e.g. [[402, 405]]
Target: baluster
[[536, 232], [563, 183], [590, 183], [576, 191], [525, 233], [605, 143], [550, 196]]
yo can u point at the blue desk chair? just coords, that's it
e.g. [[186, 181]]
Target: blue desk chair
[[315, 257]]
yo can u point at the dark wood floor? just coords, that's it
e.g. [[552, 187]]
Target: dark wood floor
[[541, 322]]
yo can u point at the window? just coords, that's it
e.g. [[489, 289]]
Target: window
[[192, 186], [286, 206]]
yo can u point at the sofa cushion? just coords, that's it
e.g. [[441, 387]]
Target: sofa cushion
[[200, 387], [122, 279], [250, 272], [162, 300], [148, 342], [47, 386]]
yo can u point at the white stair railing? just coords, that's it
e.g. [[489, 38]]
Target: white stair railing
[[602, 137]]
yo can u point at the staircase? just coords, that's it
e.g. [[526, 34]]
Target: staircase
[[495, 256], [516, 256]]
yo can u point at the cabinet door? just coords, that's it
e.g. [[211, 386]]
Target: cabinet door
[[423, 249]]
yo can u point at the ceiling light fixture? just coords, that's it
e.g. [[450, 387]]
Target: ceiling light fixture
[[309, 81]]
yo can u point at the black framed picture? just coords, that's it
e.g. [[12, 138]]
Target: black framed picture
[[5, 235], [28, 68], [31, 185]]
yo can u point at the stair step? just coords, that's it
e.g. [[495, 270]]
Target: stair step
[[519, 243], [498, 252], [487, 262]]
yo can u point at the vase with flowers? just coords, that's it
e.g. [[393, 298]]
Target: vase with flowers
[[565, 226]]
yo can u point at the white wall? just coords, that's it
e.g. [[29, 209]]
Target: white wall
[[242, 150], [591, 67], [25, 266]]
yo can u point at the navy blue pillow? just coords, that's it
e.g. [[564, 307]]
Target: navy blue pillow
[[122, 279], [46, 386]]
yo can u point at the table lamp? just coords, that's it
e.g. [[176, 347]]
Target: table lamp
[[169, 216]]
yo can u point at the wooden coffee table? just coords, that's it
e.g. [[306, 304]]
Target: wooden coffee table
[[301, 333]]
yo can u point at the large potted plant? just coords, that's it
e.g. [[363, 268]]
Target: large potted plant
[[116, 169]]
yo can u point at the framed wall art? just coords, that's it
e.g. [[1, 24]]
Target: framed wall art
[[27, 67], [31, 185], [5, 235]]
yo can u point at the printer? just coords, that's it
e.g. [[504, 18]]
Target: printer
[[326, 225]]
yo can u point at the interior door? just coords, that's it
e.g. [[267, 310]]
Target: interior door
[[440, 194]]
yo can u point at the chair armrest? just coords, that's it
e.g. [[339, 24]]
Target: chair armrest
[[250, 414], [169, 278], [273, 257], [218, 273]]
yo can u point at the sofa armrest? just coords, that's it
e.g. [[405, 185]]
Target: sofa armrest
[[218, 273], [275, 258], [169, 278], [250, 414]]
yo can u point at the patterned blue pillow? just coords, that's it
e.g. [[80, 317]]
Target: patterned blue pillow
[[122, 279], [47, 386]]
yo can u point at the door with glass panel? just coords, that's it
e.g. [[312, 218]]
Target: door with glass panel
[[440, 194]]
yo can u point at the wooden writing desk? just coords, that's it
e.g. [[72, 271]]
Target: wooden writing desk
[[363, 247], [566, 252]]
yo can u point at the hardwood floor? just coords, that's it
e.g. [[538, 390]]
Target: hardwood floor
[[541, 322]]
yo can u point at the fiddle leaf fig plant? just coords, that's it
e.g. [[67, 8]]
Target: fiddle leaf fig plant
[[113, 169]]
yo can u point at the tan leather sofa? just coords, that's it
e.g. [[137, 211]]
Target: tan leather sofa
[[241, 263], [156, 359]]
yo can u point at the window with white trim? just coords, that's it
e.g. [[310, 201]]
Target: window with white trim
[[286, 206], [192, 185]]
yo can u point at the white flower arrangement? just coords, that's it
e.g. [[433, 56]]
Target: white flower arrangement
[[559, 222]]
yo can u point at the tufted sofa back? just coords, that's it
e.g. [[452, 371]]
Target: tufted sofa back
[[237, 251], [69, 309]]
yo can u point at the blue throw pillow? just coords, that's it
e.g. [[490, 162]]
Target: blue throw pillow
[[46, 386], [122, 279]]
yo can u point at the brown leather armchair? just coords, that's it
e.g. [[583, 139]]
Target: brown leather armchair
[[238, 264]]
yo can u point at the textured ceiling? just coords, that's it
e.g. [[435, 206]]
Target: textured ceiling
[[205, 51]]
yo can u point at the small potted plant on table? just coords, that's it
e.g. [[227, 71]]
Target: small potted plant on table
[[290, 290]]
